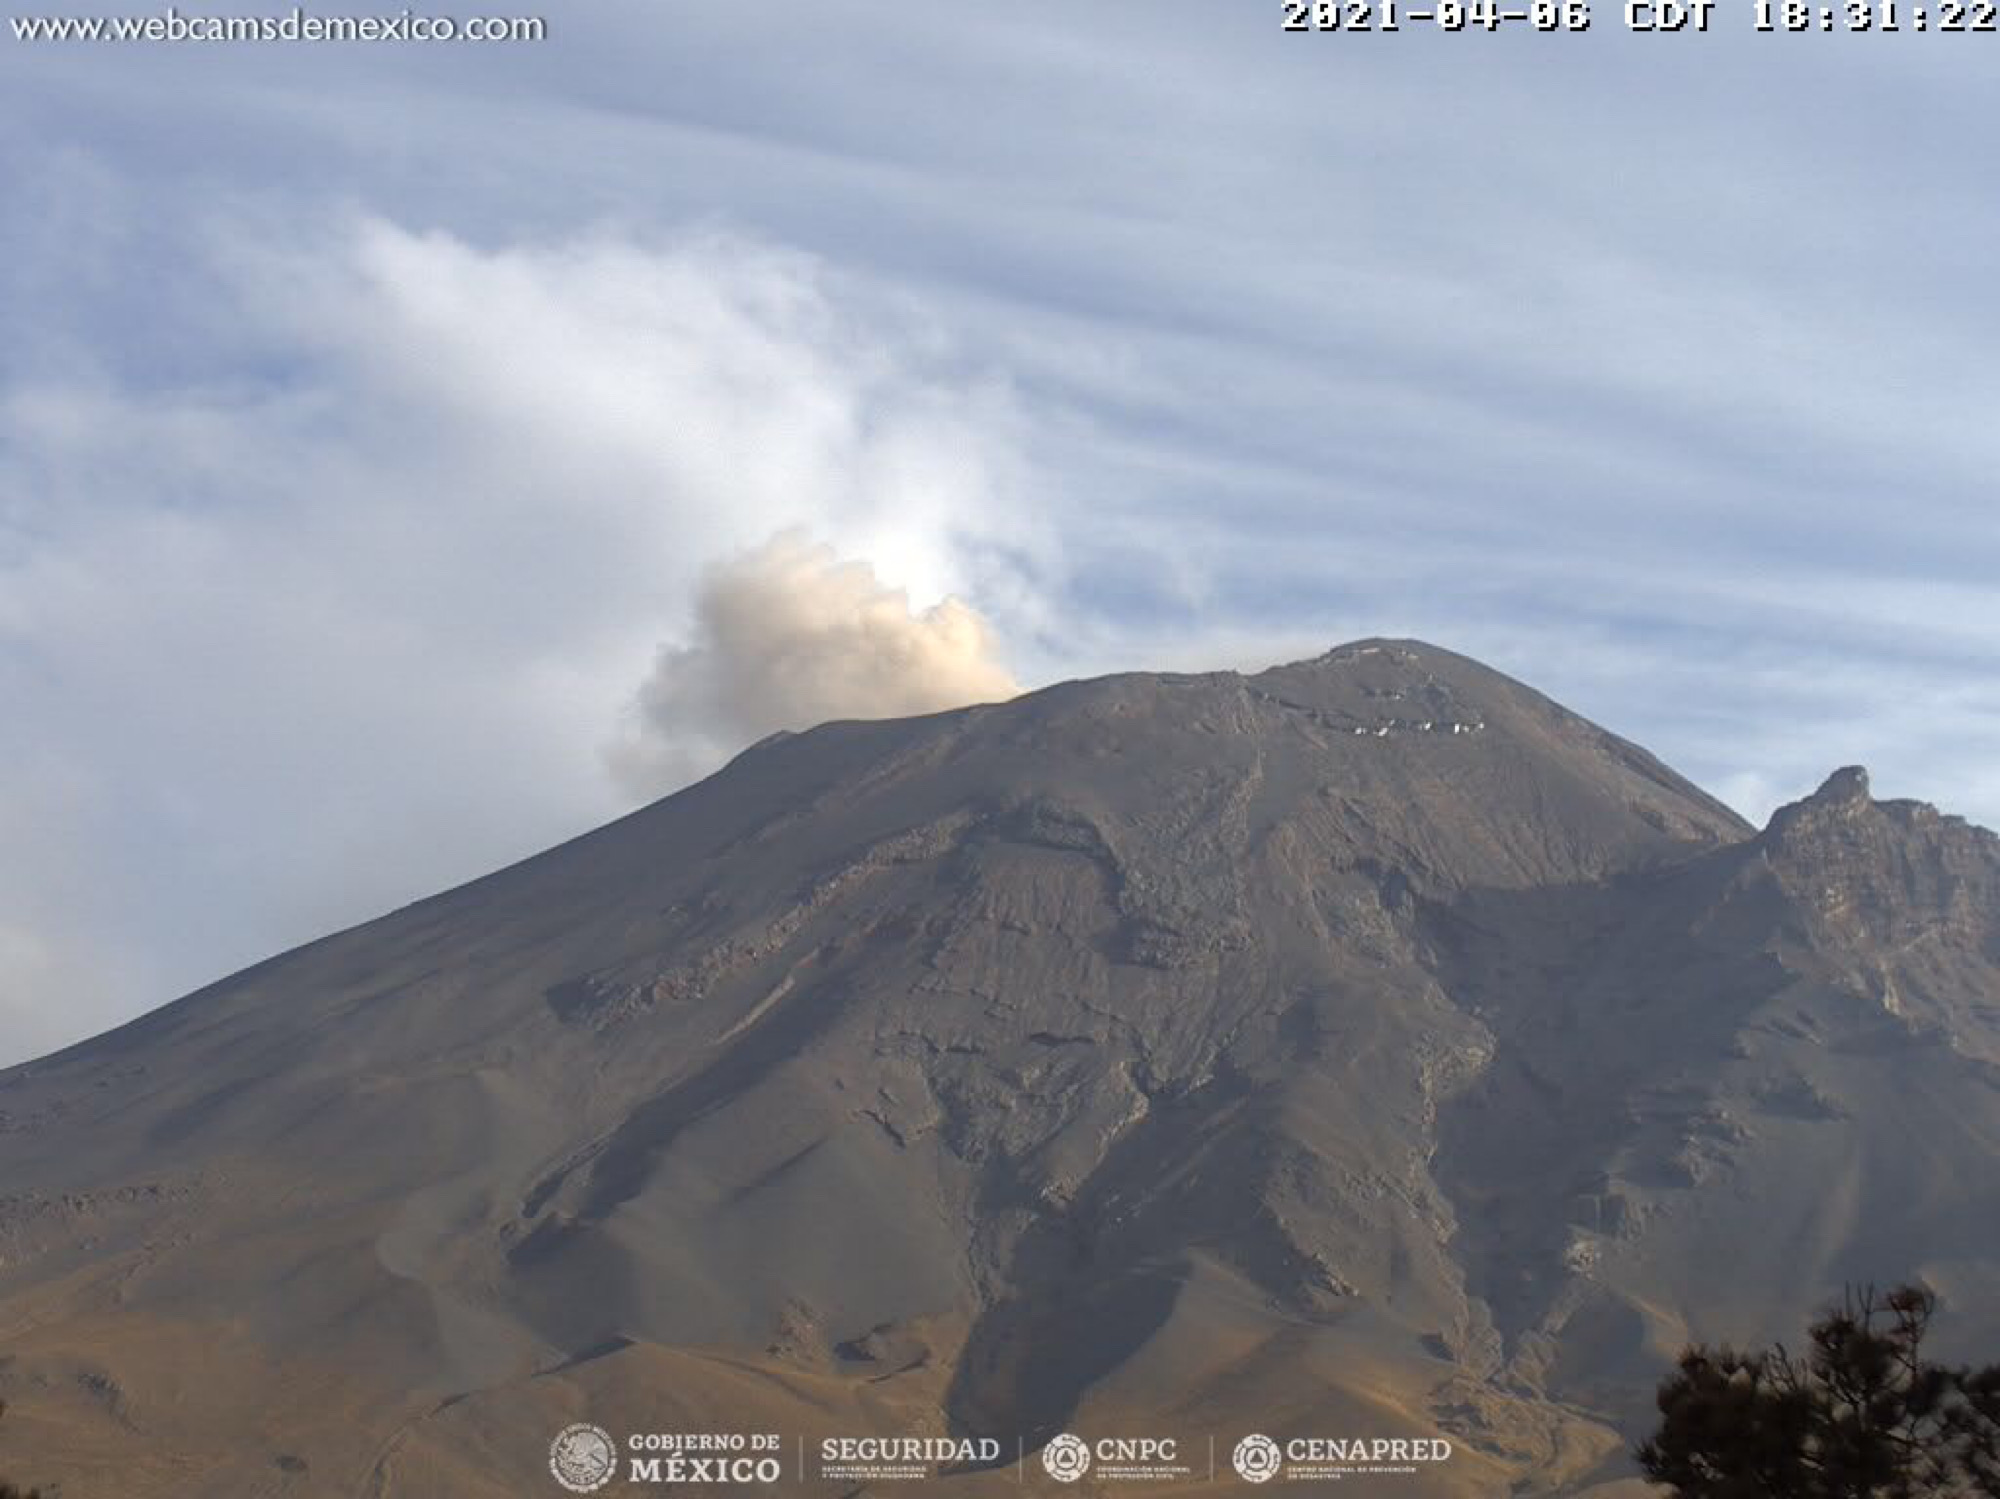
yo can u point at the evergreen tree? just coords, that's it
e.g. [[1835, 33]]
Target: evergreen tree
[[1862, 1415]]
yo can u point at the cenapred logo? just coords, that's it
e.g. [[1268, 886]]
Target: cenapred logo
[[1257, 1459], [583, 1458], [1067, 1458]]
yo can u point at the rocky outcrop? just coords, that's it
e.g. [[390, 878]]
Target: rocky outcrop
[[1369, 1039]]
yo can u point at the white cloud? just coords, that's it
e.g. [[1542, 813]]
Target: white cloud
[[330, 550], [275, 645]]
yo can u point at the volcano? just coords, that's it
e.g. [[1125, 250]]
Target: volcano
[[1367, 1048]]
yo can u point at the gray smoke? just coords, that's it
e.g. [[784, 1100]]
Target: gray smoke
[[791, 635]]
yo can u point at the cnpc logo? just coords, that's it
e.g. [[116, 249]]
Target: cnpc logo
[[1068, 1458]]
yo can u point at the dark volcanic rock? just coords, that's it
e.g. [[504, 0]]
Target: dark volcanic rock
[[1365, 1044]]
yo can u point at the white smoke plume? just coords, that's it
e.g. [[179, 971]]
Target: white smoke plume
[[791, 635], [348, 622]]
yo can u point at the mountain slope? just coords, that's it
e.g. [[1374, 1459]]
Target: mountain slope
[[1368, 1044]]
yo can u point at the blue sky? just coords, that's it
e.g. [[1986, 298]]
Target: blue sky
[[371, 417]]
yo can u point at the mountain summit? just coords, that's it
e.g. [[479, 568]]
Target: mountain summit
[[1368, 1046]]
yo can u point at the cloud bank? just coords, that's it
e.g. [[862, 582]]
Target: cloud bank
[[284, 648]]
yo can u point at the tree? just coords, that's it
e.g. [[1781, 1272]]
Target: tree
[[7, 1490], [1862, 1415]]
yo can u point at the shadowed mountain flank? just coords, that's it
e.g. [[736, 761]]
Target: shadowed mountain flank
[[1368, 1045]]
